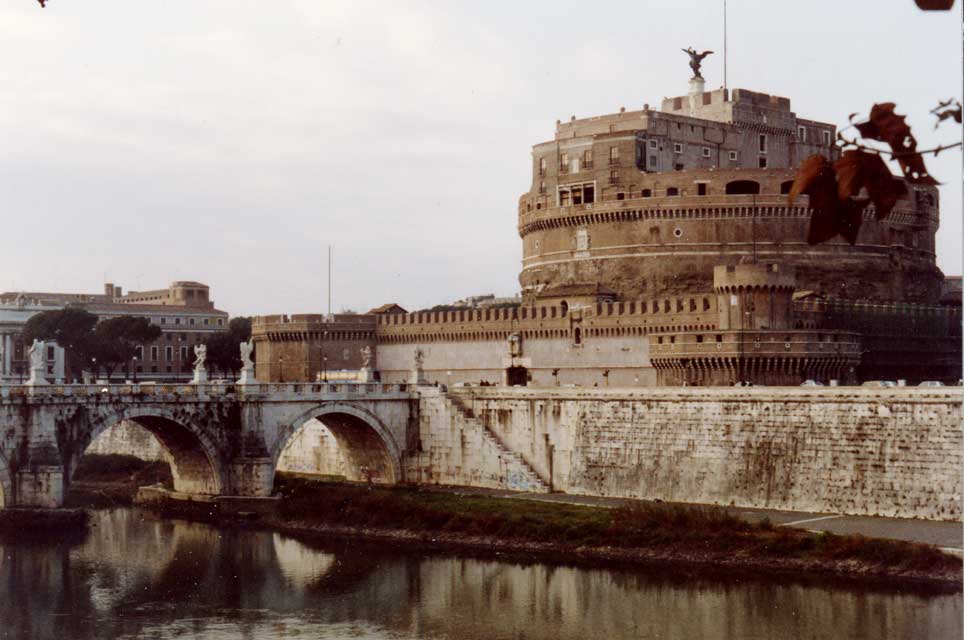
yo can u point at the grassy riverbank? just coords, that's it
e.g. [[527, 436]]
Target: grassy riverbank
[[639, 533], [647, 530]]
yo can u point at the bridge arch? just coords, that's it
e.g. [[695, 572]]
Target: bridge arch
[[367, 443], [196, 464]]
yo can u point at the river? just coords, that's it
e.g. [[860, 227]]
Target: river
[[135, 576]]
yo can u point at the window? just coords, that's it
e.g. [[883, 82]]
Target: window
[[588, 193], [826, 138], [542, 186], [168, 353], [647, 193], [206, 321], [763, 162], [139, 353], [719, 337], [613, 155], [701, 188], [733, 156], [220, 322], [542, 166], [564, 198], [154, 354], [706, 152], [672, 191], [801, 134], [587, 159], [763, 143], [677, 147], [177, 321], [190, 321], [163, 320], [564, 163], [699, 339], [620, 196], [653, 145], [183, 353], [613, 176], [577, 336], [706, 304]]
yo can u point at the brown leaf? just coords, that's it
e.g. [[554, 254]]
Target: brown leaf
[[912, 164], [816, 178], [857, 170], [887, 126]]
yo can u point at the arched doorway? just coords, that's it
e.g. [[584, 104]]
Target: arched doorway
[[742, 187], [194, 462], [341, 441]]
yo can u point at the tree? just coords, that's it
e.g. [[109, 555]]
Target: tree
[[72, 328], [116, 340], [224, 354]]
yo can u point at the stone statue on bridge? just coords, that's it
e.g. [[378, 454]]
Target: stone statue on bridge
[[366, 357], [200, 371], [247, 365], [38, 363], [418, 375]]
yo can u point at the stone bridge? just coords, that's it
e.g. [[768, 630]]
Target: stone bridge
[[221, 439]]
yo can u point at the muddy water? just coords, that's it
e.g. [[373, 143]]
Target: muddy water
[[138, 577]]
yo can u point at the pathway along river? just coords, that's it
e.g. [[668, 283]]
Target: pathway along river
[[137, 576]]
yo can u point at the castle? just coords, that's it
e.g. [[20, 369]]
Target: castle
[[659, 248]]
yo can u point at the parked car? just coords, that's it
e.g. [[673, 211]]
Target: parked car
[[811, 383], [879, 383], [931, 383]]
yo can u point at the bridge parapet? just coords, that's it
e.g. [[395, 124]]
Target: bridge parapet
[[273, 390]]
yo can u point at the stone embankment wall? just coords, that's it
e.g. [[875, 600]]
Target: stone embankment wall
[[889, 452]]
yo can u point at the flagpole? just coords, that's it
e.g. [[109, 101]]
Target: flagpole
[[724, 45]]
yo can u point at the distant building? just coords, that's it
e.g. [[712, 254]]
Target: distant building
[[183, 311]]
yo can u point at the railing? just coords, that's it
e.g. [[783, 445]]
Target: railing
[[202, 389]]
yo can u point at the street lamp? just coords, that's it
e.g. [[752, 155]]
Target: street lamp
[[324, 368], [94, 364], [134, 367], [281, 376]]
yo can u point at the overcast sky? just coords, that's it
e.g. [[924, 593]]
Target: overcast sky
[[231, 142]]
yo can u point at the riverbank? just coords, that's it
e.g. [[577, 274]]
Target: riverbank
[[113, 480], [641, 533]]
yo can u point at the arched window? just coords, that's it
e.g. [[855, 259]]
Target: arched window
[[740, 187], [786, 186], [565, 308], [577, 336]]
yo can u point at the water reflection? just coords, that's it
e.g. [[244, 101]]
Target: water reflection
[[134, 576]]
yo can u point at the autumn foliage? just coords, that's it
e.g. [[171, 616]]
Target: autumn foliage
[[839, 192]]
